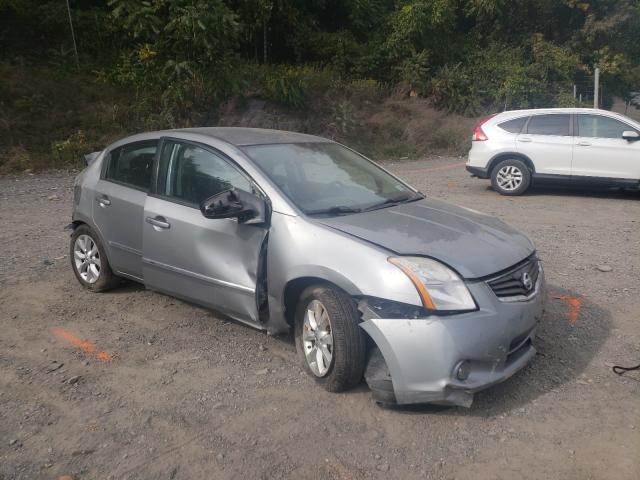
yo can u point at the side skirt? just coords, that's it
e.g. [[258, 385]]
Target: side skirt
[[545, 178]]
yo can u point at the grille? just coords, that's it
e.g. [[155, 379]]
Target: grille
[[517, 282]]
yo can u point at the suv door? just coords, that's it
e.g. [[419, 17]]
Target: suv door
[[118, 205], [600, 150], [213, 262], [546, 140]]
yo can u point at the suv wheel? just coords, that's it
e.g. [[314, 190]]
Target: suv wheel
[[89, 261], [511, 177], [328, 339]]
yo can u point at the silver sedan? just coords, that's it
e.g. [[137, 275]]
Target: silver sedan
[[427, 301]]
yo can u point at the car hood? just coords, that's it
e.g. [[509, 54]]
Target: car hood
[[474, 244]]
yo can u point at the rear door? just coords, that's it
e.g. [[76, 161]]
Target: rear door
[[600, 151], [118, 204], [547, 140], [213, 262]]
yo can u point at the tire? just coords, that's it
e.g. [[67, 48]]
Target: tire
[[83, 242], [345, 368], [511, 177]]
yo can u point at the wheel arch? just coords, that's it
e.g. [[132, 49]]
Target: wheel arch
[[78, 222], [295, 286], [75, 224], [508, 156]]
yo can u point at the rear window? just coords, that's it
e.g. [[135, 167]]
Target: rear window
[[513, 126], [131, 164], [555, 124]]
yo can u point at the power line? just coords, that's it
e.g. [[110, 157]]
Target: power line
[[73, 36]]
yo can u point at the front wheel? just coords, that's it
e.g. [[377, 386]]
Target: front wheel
[[328, 339], [511, 177]]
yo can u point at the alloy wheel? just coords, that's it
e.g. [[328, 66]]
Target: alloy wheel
[[317, 338], [509, 178], [87, 258]]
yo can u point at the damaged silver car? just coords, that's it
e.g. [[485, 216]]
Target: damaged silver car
[[284, 231]]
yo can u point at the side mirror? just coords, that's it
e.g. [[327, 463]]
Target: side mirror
[[630, 135], [246, 207]]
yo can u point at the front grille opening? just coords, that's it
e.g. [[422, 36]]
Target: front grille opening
[[518, 351], [517, 342], [512, 283]]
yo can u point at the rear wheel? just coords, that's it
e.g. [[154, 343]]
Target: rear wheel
[[511, 177], [89, 261], [329, 342]]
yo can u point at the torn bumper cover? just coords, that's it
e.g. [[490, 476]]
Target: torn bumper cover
[[424, 355]]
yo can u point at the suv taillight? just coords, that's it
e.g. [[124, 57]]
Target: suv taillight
[[478, 133]]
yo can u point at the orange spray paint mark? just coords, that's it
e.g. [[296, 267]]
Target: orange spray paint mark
[[343, 474], [575, 304], [84, 345]]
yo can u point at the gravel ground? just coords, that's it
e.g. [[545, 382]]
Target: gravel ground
[[134, 384]]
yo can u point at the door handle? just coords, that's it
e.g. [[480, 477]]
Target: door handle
[[524, 139], [158, 222], [103, 200], [584, 143]]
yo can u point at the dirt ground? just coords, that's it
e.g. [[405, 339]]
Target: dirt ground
[[134, 384]]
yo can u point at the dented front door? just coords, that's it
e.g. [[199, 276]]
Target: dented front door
[[213, 262]]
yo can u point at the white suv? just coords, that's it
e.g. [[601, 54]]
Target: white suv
[[518, 148]]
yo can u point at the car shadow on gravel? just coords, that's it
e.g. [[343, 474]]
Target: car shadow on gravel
[[571, 332]]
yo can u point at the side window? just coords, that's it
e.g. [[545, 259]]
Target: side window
[[192, 174], [599, 126], [513, 126], [131, 164], [555, 124]]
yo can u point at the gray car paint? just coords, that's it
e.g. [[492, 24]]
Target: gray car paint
[[119, 222], [349, 251], [474, 244], [180, 260], [422, 354]]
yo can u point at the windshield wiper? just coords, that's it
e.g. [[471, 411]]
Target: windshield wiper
[[335, 210], [402, 198]]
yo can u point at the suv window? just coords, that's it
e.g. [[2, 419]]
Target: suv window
[[131, 164], [601, 127], [513, 126], [192, 174], [554, 124]]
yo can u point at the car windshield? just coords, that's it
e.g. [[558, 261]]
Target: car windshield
[[329, 179]]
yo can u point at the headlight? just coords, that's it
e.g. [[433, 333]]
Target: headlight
[[439, 287]]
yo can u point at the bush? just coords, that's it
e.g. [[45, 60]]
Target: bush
[[344, 118], [17, 159], [69, 152], [288, 85]]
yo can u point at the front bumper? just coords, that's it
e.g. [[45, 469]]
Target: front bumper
[[422, 354]]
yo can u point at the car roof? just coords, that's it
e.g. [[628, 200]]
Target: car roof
[[240, 136], [536, 111], [234, 136], [513, 114]]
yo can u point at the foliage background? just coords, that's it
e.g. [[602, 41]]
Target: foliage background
[[392, 77]]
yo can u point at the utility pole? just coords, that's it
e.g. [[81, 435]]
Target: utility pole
[[596, 87], [73, 36]]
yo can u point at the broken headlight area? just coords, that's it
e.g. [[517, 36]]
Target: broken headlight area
[[373, 307]]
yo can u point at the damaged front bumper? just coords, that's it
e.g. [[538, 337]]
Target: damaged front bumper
[[423, 356]]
